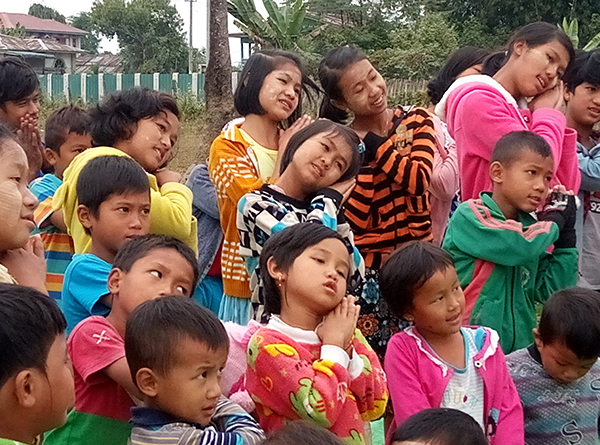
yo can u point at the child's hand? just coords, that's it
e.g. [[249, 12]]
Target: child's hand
[[285, 135], [29, 138], [163, 176], [338, 326], [27, 265], [553, 98], [345, 188]]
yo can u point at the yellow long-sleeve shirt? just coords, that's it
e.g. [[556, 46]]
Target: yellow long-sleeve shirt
[[170, 205]]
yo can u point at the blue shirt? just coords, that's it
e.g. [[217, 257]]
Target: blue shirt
[[85, 284]]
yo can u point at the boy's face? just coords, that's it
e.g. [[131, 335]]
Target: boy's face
[[192, 387], [17, 203], [12, 112], [523, 184], [73, 145], [161, 272], [583, 104], [561, 363], [120, 218], [152, 141]]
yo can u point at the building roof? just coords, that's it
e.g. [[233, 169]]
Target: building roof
[[11, 44], [31, 23], [105, 63]]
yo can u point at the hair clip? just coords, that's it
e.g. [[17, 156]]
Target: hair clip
[[361, 148]]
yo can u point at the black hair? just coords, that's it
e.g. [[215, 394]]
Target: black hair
[[140, 246], [105, 176], [493, 62], [61, 123], [331, 69], [116, 118], [284, 247], [407, 269], [572, 317], [461, 60], [510, 147], [257, 68], [304, 433], [156, 327], [31, 321], [585, 67], [17, 80], [325, 126], [440, 426]]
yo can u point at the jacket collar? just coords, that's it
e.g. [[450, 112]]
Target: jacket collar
[[296, 334]]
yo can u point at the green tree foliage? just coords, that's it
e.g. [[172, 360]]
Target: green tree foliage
[[418, 50], [571, 28], [44, 12], [91, 41], [17, 31], [150, 33]]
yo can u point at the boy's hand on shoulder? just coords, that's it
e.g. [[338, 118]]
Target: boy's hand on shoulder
[[163, 176], [27, 265], [338, 326]]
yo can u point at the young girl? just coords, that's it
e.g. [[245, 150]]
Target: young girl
[[310, 362], [390, 203], [436, 363], [143, 124], [21, 256], [479, 110], [316, 176], [246, 155]]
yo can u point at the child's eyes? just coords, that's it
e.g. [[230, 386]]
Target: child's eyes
[[145, 212], [124, 209], [203, 376], [319, 260], [182, 289], [156, 273]]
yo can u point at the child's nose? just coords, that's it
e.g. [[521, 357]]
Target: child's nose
[[29, 199]]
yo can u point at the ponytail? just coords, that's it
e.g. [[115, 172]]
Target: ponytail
[[329, 111], [493, 62]]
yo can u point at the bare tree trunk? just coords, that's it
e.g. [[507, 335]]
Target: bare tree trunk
[[219, 96]]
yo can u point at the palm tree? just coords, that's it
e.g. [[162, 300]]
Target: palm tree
[[571, 28]]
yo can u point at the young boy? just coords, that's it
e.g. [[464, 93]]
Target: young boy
[[142, 124], [113, 193], [148, 267], [36, 381], [582, 94], [500, 250], [20, 108], [558, 375], [67, 134], [176, 351]]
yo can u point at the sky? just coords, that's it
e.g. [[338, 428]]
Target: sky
[[72, 7]]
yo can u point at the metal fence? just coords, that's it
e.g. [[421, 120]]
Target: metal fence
[[90, 88]]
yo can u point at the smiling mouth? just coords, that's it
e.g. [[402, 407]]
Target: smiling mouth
[[379, 101], [317, 170], [286, 104]]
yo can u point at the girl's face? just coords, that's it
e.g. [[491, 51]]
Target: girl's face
[[316, 281], [17, 203], [364, 90], [438, 305], [152, 141], [539, 69], [321, 161], [280, 93]]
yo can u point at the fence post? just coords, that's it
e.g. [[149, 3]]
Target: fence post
[[66, 86], [136, 79], [49, 84], [119, 81], [195, 84], [175, 83], [100, 86], [83, 87], [155, 82]]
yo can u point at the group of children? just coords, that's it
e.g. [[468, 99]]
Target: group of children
[[296, 283]]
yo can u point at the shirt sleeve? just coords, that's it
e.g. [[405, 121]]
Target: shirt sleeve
[[233, 425], [88, 282], [94, 345]]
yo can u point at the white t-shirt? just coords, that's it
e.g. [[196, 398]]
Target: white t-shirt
[[465, 388]]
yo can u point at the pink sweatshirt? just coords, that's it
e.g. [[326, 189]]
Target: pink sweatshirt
[[479, 111], [417, 380]]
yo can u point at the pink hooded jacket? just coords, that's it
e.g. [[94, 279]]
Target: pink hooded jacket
[[479, 111], [417, 380]]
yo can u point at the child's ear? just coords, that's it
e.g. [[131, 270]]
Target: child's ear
[[536, 338], [26, 384], [84, 215], [114, 280], [519, 47], [274, 270], [496, 172], [147, 382], [568, 95], [51, 156]]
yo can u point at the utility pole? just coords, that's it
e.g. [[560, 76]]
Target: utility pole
[[191, 46]]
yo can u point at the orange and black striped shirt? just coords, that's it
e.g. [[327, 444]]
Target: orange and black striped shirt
[[390, 203]]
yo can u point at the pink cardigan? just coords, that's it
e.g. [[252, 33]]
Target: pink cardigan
[[479, 111], [417, 379]]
